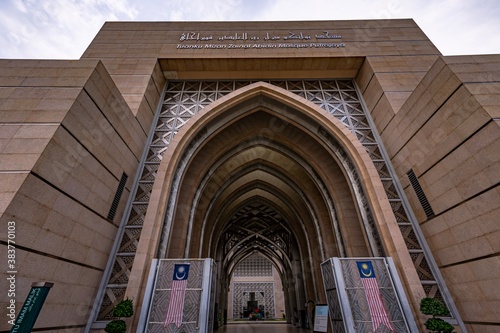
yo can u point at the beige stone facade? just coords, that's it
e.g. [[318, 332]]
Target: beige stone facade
[[70, 130]]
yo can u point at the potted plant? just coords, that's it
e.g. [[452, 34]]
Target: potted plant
[[433, 307], [124, 309]]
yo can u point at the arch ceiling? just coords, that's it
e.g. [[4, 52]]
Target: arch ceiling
[[251, 169], [259, 179]]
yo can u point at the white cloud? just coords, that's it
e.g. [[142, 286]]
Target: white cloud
[[329, 10], [461, 26], [64, 28], [219, 10], [55, 28]]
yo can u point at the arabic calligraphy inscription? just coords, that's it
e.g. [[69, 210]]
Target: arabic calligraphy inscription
[[300, 40]]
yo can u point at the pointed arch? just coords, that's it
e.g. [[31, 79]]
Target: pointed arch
[[294, 109], [209, 128]]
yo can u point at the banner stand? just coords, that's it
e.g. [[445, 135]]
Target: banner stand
[[179, 297], [366, 295]]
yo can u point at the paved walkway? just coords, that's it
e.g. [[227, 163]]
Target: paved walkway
[[260, 327]]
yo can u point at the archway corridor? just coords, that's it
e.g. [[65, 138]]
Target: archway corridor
[[268, 173], [261, 327]]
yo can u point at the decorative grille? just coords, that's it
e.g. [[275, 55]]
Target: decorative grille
[[333, 298], [118, 195], [359, 303], [255, 265], [183, 99], [264, 294], [354, 308], [422, 198], [161, 296]]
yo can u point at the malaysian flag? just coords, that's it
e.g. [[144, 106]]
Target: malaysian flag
[[377, 310], [176, 301]]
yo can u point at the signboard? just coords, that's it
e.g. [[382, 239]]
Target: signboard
[[31, 307], [321, 318], [194, 40]]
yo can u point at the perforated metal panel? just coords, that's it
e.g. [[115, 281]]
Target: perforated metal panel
[[333, 298], [358, 300], [347, 299], [198, 301]]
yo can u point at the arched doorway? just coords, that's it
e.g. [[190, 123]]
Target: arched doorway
[[264, 170]]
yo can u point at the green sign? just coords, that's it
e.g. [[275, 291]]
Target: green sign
[[31, 307]]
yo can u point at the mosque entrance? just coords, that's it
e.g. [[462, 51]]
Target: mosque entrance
[[289, 172], [263, 173]]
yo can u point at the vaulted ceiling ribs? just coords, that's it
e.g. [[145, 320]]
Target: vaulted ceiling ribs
[[257, 227]]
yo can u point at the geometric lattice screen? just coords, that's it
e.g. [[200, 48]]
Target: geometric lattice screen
[[198, 301], [183, 99], [354, 307], [263, 293], [332, 298], [254, 266]]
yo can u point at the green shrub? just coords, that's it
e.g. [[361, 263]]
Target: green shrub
[[433, 307], [116, 326], [438, 325], [125, 308]]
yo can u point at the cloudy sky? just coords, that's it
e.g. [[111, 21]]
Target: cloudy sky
[[62, 29]]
